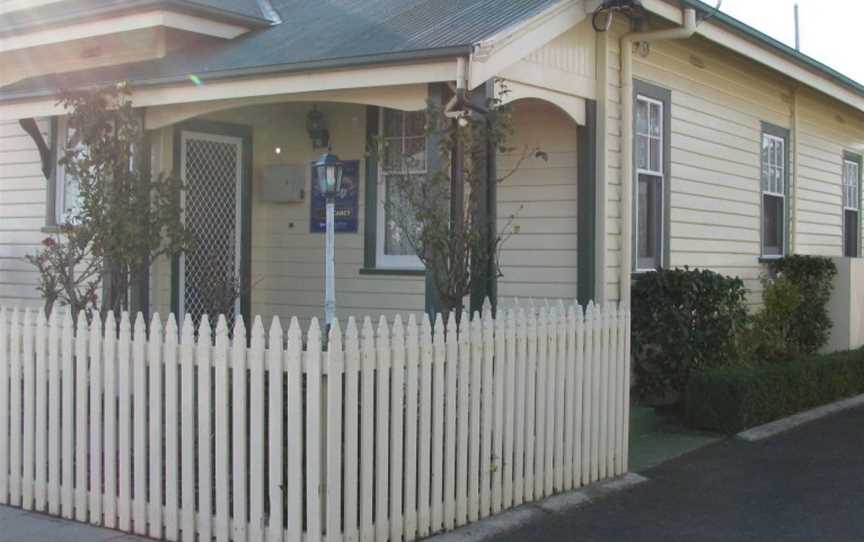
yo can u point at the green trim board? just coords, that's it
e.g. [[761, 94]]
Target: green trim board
[[51, 187], [586, 214], [485, 283], [432, 303], [245, 133], [664, 95], [370, 219], [392, 272], [139, 299], [784, 134]]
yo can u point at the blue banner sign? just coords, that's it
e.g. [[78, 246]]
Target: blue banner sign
[[346, 201]]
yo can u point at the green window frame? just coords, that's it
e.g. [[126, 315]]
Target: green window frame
[[774, 181], [851, 187], [652, 152]]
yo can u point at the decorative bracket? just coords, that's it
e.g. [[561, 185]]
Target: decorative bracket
[[32, 129]]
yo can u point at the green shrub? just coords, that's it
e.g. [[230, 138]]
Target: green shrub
[[813, 275], [683, 320], [771, 335], [731, 399]]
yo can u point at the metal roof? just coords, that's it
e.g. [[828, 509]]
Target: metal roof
[[314, 34]]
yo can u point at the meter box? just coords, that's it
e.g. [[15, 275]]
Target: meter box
[[284, 183]]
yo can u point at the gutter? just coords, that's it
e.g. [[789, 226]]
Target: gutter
[[626, 51], [274, 69]]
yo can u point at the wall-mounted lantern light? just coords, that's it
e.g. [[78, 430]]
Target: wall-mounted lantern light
[[316, 126]]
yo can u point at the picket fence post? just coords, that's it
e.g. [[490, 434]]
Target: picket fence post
[[384, 433]]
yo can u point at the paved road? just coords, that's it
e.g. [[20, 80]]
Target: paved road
[[19, 526], [805, 485]]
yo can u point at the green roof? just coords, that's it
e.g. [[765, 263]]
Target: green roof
[[315, 34]]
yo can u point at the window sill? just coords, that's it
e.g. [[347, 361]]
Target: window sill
[[769, 259], [392, 272]]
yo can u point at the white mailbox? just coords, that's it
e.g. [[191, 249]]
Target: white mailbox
[[284, 183]]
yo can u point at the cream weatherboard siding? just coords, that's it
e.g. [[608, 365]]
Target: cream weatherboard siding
[[22, 213], [539, 257], [287, 260], [718, 105], [827, 130]]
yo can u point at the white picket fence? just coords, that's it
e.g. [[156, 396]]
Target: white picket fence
[[391, 434]]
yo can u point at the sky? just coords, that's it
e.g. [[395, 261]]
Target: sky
[[830, 29]]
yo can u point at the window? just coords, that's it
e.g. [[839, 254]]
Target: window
[[774, 182], [66, 198], [851, 205], [650, 141], [404, 155]]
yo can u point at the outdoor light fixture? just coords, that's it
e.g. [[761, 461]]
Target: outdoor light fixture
[[328, 171], [317, 128]]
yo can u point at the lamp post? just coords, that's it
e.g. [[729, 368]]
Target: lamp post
[[328, 170]]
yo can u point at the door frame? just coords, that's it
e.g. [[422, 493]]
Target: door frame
[[244, 133]]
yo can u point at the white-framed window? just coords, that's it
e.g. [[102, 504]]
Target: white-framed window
[[851, 207], [773, 184], [404, 137], [650, 180], [66, 192]]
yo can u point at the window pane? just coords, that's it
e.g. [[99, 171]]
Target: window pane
[[393, 160], [655, 155], [648, 227], [642, 147], [71, 198], [415, 124], [415, 153], [392, 123], [772, 225], [398, 218], [656, 120], [850, 185], [850, 234], [641, 117]]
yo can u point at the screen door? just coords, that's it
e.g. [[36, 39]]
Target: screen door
[[209, 271]]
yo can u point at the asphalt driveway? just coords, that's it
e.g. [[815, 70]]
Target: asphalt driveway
[[804, 485]]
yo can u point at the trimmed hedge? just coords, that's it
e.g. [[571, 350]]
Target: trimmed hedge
[[731, 399], [683, 321]]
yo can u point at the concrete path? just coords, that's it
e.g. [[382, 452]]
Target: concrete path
[[20, 526], [806, 485]]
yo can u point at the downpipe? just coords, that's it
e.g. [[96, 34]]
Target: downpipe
[[627, 43]]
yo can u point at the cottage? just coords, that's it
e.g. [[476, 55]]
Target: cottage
[[675, 136]]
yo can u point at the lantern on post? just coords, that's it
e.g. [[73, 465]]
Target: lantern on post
[[328, 172]]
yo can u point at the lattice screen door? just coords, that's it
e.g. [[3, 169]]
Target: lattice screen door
[[209, 273]]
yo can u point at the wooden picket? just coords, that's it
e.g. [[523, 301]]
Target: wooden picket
[[390, 432]]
